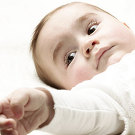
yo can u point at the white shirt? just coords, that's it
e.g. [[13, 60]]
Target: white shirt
[[104, 105]]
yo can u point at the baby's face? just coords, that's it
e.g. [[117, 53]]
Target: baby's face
[[79, 42]]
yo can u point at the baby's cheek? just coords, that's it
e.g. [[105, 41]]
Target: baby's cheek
[[81, 73]]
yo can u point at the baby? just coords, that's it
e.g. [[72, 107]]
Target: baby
[[70, 45]]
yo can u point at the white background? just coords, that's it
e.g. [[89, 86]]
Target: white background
[[18, 19]]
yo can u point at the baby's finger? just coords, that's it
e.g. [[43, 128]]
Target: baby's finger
[[9, 132], [18, 100], [6, 123]]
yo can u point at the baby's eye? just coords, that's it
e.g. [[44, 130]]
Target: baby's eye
[[69, 58], [92, 28]]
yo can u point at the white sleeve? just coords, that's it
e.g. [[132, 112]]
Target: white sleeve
[[101, 106], [80, 112]]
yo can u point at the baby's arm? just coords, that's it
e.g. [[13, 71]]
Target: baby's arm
[[76, 112], [81, 111], [30, 108]]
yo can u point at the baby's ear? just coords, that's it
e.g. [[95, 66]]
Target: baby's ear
[[126, 25]]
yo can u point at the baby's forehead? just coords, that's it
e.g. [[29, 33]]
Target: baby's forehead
[[71, 11]]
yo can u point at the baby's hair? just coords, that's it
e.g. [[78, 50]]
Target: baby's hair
[[42, 74]]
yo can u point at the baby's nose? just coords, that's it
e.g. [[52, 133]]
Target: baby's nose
[[88, 48]]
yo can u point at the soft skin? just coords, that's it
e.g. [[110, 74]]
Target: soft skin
[[79, 42]]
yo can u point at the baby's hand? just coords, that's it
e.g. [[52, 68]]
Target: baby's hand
[[30, 108]]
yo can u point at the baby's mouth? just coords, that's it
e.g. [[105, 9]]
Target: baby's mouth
[[100, 53]]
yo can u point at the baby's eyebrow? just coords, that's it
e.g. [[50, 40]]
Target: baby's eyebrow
[[85, 16]]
